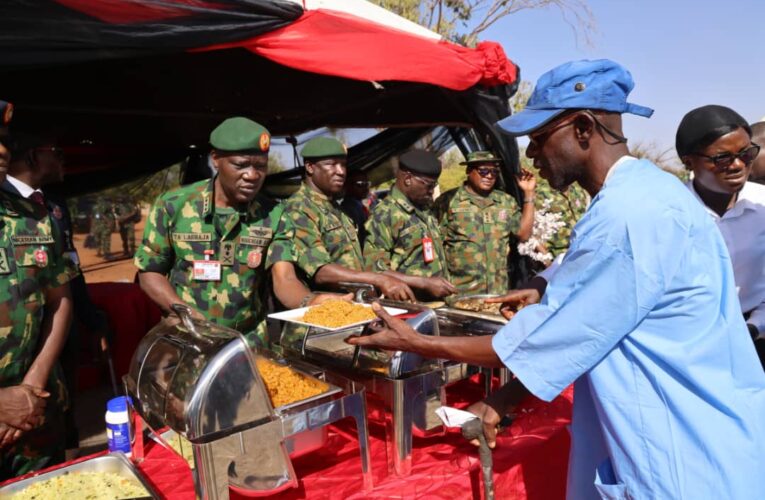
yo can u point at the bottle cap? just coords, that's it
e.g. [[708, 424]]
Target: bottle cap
[[119, 404]]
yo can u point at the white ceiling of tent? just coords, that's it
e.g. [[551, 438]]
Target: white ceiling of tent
[[370, 12]]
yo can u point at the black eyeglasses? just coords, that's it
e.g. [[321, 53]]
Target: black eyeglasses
[[723, 161], [487, 171], [428, 183]]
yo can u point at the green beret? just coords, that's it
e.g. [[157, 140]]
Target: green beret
[[240, 134], [421, 162], [481, 157], [324, 147]]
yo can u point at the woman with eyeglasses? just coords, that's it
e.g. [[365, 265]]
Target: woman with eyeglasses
[[715, 144]]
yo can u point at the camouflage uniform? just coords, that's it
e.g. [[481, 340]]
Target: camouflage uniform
[[395, 230], [104, 218], [323, 233], [30, 263], [182, 224], [570, 205], [476, 232], [127, 227]]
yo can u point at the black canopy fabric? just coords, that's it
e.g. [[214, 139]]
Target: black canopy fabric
[[48, 32], [137, 100]]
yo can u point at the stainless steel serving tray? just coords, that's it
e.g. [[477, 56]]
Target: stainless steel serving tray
[[116, 463]]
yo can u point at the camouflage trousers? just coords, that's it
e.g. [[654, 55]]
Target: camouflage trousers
[[43, 446], [104, 240], [127, 233]]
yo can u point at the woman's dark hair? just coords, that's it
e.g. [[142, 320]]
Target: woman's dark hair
[[703, 126]]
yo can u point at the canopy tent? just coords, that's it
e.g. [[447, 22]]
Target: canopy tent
[[131, 86]]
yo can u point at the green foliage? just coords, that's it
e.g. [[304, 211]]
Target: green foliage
[[453, 174]]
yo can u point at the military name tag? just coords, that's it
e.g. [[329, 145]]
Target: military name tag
[[227, 253], [254, 242], [206, 270], [192, 236], [462, 210], [5, 268], [31, 240]]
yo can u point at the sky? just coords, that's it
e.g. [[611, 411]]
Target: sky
[[682, 54]]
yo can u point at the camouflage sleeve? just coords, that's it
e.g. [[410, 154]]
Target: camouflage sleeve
[[282, 247], [310, 252], [64, 268], [155, 253], [379, 243], [441, 212]]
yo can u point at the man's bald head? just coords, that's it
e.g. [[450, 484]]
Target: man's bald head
[[758, 167]]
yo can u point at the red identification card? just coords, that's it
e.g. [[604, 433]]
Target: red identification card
[[428, 254]]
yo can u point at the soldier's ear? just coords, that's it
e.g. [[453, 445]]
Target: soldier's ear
[[308, 168]]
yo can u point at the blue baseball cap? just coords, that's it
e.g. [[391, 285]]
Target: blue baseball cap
[[599, 85]]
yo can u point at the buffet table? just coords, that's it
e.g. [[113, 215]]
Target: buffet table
[[529, 462]]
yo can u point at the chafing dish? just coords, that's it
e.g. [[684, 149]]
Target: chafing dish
[[410, 387], [114, 463], [201, 380]]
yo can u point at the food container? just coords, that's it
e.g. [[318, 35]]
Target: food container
[[202, 381], [115, 463]]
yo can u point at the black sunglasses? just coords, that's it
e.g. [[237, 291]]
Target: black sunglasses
[[487, 171], [723, 161]]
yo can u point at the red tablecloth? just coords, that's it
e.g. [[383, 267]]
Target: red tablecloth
[[530, 462], [131, 314]]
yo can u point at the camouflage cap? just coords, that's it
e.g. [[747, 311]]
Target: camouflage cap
[[240, 134], [324, 147], [421, 162], [481, 157]]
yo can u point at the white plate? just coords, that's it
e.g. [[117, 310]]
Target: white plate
[[295, 315]]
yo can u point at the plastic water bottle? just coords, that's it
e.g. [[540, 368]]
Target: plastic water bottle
[[118, 425]]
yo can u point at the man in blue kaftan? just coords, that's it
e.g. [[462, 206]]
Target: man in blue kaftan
[[642, 315]]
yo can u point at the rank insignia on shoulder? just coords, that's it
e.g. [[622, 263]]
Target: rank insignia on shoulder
[[5, 268]]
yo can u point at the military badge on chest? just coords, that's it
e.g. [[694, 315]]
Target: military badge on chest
[[502, 215], [41, 257], [254, 258]]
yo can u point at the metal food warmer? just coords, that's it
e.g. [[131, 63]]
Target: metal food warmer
[[203, 381], [410, 386]]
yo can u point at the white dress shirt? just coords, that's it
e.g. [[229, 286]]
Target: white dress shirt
[[743, 228], [24, 189]]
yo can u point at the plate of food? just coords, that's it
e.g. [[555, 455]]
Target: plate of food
[[333, 315]]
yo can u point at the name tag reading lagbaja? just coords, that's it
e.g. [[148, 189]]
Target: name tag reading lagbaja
[[428, 253], [206, 270]]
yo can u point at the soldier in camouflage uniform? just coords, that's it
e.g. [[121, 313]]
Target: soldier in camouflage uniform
[[206, 244], [33, 280], [477, 222], [570, 204], [103, 213], [403, 235], [127, 213], [326, 241]]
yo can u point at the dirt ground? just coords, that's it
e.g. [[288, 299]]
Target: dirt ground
[[98, 270]]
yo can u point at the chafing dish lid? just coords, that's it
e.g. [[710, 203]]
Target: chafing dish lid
[[198, 378]]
